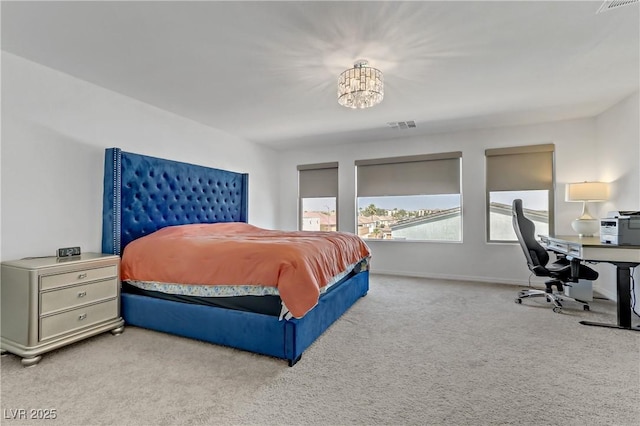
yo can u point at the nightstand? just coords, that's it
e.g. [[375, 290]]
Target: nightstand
[[51, 302]]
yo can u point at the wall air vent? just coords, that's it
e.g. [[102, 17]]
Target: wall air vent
[[614, 4], [402, 124]]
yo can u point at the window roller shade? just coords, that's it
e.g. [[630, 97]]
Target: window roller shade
[[318, 182], [521, 168], [419, 175]]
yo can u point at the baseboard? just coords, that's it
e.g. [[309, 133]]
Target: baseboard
[[459, 277], [534, 281], [604, 293]]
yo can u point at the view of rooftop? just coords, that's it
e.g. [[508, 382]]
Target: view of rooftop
[[420, 224]]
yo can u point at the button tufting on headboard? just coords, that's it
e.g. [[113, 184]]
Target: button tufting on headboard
[[141, 196]]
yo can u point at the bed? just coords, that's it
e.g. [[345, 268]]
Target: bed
[[145, 194]]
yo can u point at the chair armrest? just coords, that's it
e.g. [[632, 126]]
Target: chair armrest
[[578, 270], [540, 271], [561, 258]]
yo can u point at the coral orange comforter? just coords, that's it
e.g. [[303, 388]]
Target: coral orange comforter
[[297, 263]]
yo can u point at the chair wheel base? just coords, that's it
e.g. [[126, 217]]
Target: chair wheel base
[[555, 299]]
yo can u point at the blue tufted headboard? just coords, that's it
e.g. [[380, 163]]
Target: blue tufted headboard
[[143, 194]]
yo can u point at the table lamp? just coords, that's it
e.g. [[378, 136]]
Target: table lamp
[[586, 225]]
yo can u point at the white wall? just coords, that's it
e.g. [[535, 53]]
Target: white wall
[[473, 259], [604, 148], [618, 144], [54, 132], [55, 128]]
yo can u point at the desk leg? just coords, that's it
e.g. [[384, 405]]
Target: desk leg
[[623, 289]]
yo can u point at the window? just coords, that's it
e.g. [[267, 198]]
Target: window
[[520, 172], [410, 198], [318, 195]]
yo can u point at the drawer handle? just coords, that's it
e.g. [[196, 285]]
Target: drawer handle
[[81, 276], [82, 294], [81, 317]]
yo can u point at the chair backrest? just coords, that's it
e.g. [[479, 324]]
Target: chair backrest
[[537, 257]]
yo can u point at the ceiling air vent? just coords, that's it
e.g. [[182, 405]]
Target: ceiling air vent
[[614, 4], [402, 124]]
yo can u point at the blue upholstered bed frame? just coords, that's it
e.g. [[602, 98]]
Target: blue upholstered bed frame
[[143, 194]]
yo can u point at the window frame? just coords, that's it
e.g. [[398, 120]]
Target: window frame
[[330, 167], [427, 182], [550, 186]]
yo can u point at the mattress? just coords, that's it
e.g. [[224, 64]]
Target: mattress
[[232, 262], [267, 304]]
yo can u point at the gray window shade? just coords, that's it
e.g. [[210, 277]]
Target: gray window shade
[[318, 180], [415, 175], [520, 168]]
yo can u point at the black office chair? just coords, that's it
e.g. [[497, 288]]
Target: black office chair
[[538, 262]]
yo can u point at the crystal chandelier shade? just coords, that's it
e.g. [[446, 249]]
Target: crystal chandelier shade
[[360, 86]]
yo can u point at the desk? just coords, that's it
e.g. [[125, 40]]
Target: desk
[[592, 250]]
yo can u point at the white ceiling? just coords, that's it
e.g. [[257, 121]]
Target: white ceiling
[[267, 71]]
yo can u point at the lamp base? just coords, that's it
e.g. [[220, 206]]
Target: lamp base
[[586, 227]]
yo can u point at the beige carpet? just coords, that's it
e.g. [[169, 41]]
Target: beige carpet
[[413, 351]]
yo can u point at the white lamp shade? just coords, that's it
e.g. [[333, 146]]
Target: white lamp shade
[[587, 191]]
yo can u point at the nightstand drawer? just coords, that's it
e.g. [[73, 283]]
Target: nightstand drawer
[[79, 295], [78, 318], [77, 277]]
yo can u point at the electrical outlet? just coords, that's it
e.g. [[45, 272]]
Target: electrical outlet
[[68, 251]]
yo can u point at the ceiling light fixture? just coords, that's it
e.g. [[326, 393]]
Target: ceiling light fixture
[[360, 86]]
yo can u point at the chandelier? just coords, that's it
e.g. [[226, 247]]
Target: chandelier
[[360, 86]]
